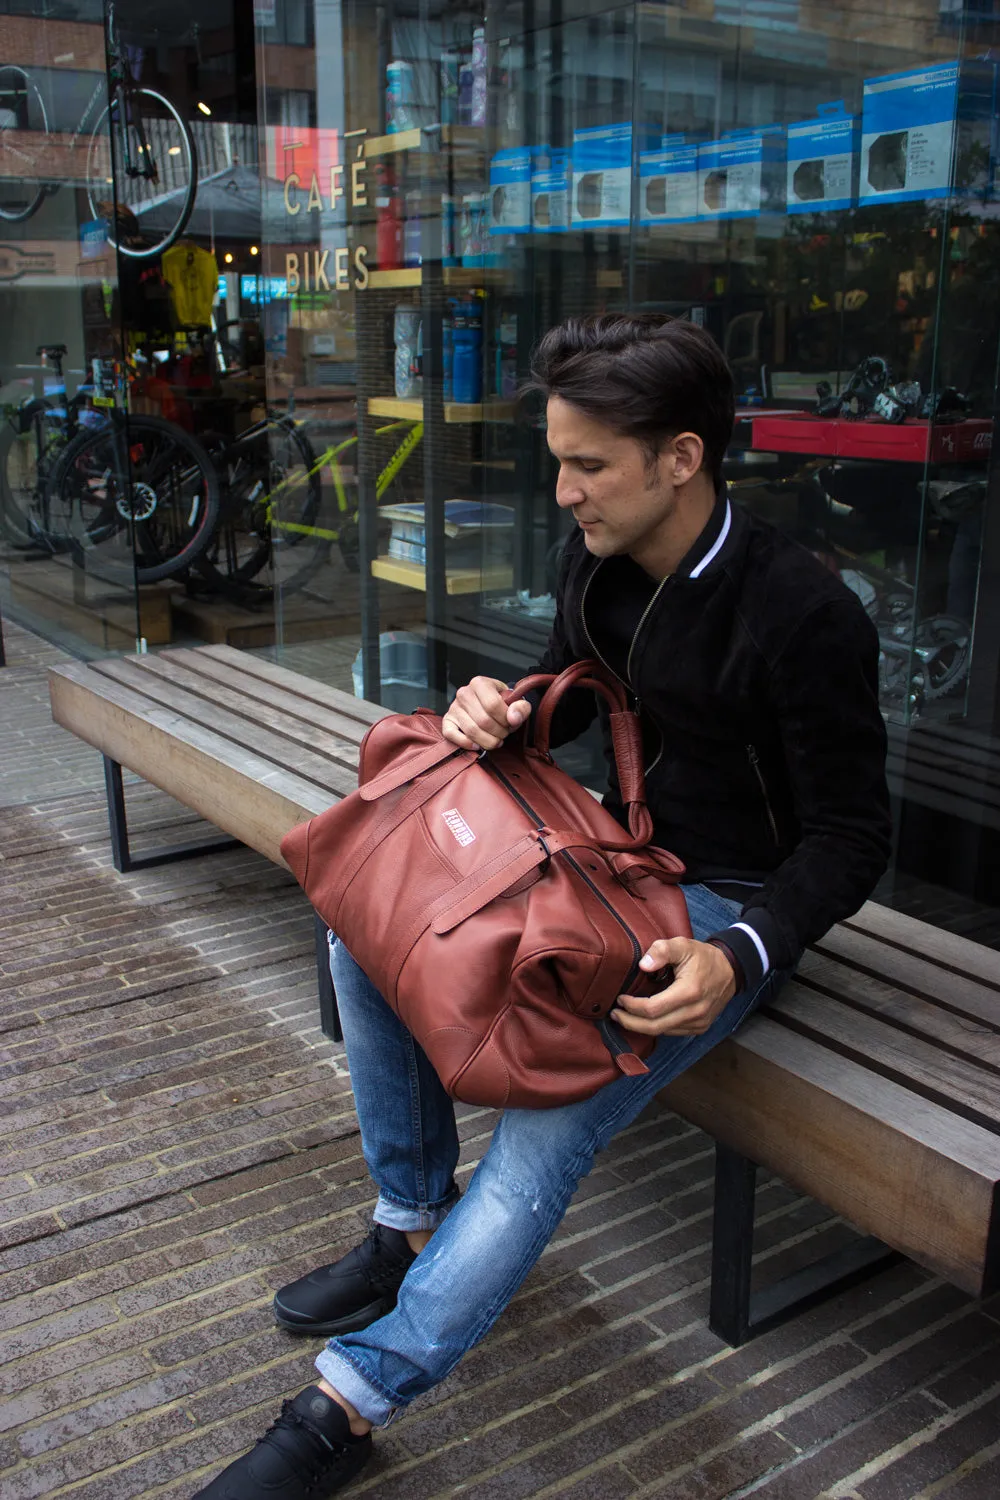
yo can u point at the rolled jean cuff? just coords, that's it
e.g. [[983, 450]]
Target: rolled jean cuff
[[405, 1216], [367, 1400]]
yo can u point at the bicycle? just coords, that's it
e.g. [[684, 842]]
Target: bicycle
[[140, 488], [139, 147], [270, 506], [30, 442]]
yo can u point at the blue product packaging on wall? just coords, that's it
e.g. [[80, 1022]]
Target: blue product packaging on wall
[[550, 191], [668, 185], [510, 192], [602, 177], [742, 174], [926, 133], [823, 161]]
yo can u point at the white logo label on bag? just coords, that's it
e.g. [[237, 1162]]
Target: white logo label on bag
[[458, 826]]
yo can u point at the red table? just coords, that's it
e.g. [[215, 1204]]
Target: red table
[[915, 441]]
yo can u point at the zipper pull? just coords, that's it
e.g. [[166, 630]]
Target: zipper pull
[[627, 1061]]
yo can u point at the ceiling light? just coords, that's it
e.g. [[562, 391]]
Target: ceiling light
[[204, 107], [229, 258], [254, 250], [174, 151]]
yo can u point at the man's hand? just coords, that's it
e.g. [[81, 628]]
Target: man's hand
[[703, 985], [479, 719]]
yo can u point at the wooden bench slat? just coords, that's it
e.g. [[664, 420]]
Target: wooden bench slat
[[895, 1164], [955, 992], [950, 1081], [255, 712], [256, 690], [246, 796], [307, 687], [922, 1018], [280, 751], [948, 950]]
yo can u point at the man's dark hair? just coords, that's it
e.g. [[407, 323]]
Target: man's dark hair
[[646, 375]]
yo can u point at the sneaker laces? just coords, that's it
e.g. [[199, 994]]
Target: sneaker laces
[[310, 1467], [387, 1276]]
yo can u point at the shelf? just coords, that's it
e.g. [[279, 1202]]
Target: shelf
[[458, 277], [388, 145], [480, 411], [454, 411], [457, 580], [457, 137], [395, 406], [405, 276], [473, 276]]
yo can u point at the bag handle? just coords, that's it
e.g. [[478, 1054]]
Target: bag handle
[[626, 735]]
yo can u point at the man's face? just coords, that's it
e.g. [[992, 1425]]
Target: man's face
[[618, 499]]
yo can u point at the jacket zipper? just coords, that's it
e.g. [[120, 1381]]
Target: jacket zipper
[[754, 760], [530, 811], [625, 681]]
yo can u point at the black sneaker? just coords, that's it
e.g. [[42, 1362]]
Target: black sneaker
[[351, 1293], [309, 1452]]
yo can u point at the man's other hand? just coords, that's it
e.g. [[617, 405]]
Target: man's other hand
[[479, 719], [702, 987]]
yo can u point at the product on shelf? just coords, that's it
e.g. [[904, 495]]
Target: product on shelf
[[823, 161], [467, 353], [449, 69], [412, 230], [478, 101], [742, 174], [602, 176], [388, 220], [510, 192], [550, 173], [469, 525], [668, 183], [926, 133], [472, 229], [400, 97], [408, 338]]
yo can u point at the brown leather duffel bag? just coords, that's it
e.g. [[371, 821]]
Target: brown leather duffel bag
[[494, 903]]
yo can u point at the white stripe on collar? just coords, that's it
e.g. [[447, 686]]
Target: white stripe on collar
[[712, 551]]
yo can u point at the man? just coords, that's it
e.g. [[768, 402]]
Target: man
[[754, 671]]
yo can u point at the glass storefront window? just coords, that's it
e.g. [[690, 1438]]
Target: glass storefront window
[[393, 202]]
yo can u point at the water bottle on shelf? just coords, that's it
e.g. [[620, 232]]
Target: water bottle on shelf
[[448, 354], [467, 355]]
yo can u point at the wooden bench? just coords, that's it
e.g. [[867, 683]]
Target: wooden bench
[[870, 1084]]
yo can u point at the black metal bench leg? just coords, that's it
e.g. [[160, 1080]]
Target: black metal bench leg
[[735, 1312], [329, 1016], [732, 1245], [122, 855]]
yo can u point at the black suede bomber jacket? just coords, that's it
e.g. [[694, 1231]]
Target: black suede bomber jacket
[[755, 672]]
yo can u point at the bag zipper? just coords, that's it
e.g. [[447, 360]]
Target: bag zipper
[[754, 760], [530, 811]]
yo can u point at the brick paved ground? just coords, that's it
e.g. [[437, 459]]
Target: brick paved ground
[[178, 1139]]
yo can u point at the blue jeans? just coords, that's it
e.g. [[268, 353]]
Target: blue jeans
[[486, 1241]]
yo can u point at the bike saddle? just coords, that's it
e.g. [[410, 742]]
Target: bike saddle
[[52, 351]]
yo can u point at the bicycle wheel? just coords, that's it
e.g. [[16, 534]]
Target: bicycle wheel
[[142, 158], [22, 117], [25, 441], [270, 506], [141, 489]]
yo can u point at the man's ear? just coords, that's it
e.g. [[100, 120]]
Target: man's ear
[[688, 454]]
